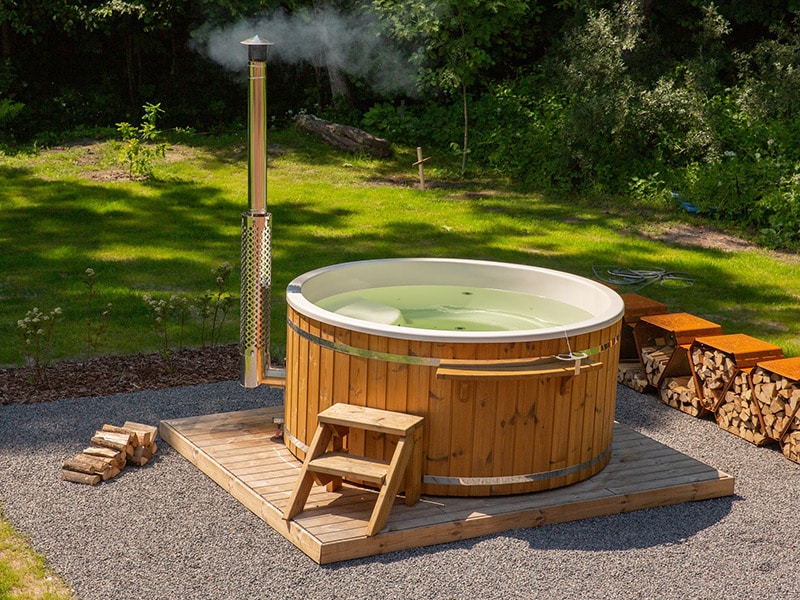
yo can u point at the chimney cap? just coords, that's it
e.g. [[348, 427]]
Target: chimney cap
[[257, 48]]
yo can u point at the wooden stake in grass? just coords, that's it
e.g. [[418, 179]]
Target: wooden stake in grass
[[420, 163]]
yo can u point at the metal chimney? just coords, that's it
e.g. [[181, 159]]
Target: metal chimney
[[256, 226]]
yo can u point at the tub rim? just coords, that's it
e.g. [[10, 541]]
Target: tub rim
[[611, 311]]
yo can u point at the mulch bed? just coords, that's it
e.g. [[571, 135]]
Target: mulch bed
[[119, 374]]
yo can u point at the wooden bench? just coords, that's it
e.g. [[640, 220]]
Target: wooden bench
[[329, 467]]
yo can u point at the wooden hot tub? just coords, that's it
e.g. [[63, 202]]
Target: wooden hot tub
[[511, 411]]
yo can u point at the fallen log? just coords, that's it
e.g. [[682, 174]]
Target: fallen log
[[344, 137]]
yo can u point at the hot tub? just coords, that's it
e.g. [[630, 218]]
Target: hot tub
[[513, 367]]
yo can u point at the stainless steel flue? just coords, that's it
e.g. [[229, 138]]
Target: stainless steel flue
[[256, 226]]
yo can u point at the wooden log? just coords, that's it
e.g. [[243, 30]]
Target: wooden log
[[92, 465], [345, 137], [117, 441], [118, 456], [147, 433], [76, 477]]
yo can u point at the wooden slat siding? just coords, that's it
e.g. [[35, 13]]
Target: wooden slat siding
[[378, 444], [462, 416], [505, 418], [303, 427], [485, 418], [642, 474], [326, 369], [575, 387], [524, 427], [312, 376], [357, 392], [341, 369], [544, 412], [438, 411], [397, 377]]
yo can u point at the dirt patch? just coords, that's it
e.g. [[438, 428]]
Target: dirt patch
[[119, 374]]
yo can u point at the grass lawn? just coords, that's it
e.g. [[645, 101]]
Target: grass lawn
[[66, 210]]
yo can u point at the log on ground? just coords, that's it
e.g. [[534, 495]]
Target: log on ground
[[345, 137]]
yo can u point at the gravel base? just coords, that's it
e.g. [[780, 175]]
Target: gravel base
[[168, 531]]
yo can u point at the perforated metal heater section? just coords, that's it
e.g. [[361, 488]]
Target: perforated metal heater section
[[255, 297]]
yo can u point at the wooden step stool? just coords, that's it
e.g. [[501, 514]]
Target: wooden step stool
[[330, 467]]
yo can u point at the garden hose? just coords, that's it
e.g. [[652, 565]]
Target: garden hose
[[641, 278]]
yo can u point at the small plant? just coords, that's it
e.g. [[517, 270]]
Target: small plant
[[161, 311], [36, 336], [214, 306], [141, 143], [95, 328]]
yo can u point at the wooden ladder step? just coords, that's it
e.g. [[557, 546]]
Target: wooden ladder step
[[330, 467], [340, 464], [371, 419]]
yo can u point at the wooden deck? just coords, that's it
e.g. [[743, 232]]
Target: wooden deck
[[237, 451]]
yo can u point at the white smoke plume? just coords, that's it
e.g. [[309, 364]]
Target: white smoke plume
[[350, 42]]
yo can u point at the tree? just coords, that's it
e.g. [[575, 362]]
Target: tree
[[456, 41]]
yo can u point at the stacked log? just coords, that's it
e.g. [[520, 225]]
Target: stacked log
[[714, 369], [790, 446], [655, 359], [681, 393], [738, 413], [778, 399], [630, 374], [112, 448]]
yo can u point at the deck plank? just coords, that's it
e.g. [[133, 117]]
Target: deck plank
[[237, 451]]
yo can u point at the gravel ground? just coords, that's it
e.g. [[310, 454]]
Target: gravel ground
[[167, 531]]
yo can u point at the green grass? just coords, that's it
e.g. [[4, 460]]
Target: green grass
[[24, 574], [165, 236]]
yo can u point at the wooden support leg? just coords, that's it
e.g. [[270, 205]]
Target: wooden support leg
[[322, 437]]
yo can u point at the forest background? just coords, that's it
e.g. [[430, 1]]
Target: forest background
[[683, 100]]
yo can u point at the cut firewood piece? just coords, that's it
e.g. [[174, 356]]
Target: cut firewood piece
[[118, 456], [117, 441], [77, 477], [679, 392], [92, 465], [142, 454], [147, 433], [136, 439]]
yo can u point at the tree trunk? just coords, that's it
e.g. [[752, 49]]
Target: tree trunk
[[466, 129]]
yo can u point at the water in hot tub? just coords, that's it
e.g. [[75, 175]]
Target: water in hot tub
[[453, 308]]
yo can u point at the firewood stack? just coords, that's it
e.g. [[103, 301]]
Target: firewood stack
[[112, 448], [777, 398], [714, 369], [739, 414], [630, 374], [790, 444], [655, 359], [681, 393]]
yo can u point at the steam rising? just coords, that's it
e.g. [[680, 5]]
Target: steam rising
[[351, 43]]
